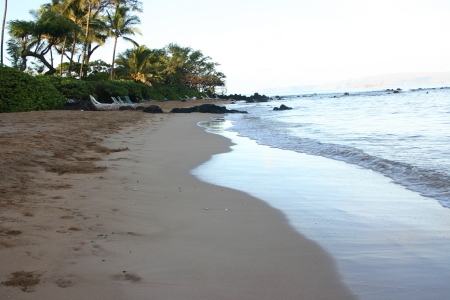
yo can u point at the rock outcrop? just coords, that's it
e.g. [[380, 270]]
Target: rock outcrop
[[207, 108], [282, 107], [153, 109]]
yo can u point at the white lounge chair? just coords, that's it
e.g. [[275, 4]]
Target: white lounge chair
[[120, 102], [208, 98], [117, 102], [102, 106], [129, 101], [188, 98]]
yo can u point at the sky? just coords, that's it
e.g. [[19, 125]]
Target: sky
[[267, 44]]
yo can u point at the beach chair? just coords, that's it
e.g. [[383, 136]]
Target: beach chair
[[188, 98], [119, 102], [115, 101], [128, 102], [102, 106]]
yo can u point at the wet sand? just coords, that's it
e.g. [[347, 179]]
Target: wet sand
[[389, 242], [101, 205]]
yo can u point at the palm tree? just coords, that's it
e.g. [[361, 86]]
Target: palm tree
[[140, 64], [3, 29], [90, 4], [91, 8], [133, 5], [121, 24], [77, 13]]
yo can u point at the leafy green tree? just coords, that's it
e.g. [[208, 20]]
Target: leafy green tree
[[58, 28], [97, 69], [187, 67], [71, 38], [120, 24], [14, 51], [36, 38], [176, 63]]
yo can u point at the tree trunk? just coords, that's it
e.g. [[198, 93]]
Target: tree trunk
[[90, 52], [86, 35], [51, 69], [3, 30], [114, 56], [62, 57], [69, 70], [51, 57]]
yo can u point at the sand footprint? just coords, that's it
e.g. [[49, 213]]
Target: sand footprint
[[127, 277], [65, 282]]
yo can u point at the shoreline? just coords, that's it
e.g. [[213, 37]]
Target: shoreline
[[388, 241], [145, 227]]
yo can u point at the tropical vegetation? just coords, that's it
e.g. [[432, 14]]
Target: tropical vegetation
[[22, 92], [56, 47]]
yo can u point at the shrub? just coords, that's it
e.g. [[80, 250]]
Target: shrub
[[135, 90], [173, 92], [70, 88], [152, 93], [107, 89], [22, 92]]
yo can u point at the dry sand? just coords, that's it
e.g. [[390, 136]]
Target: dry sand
[[101, 205]]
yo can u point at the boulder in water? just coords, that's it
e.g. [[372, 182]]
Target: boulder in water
[[282, 107]]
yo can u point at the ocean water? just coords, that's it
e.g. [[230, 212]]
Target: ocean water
[[405, 136], [365, 175]]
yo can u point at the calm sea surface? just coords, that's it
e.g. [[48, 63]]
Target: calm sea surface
[[365, 175], [405, 136]]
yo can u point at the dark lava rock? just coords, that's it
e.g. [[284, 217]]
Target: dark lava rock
[[183, 110], [282, 107], [207, 108], [153, 109], [257, 100], [79, 105], [125, 107]]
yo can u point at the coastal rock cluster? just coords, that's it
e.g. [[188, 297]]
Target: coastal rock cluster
[[282, 107], [207, 108], [79, 105], [126, 107], [153, 109]]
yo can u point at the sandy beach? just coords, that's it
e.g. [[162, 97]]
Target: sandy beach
[[101, 205]]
